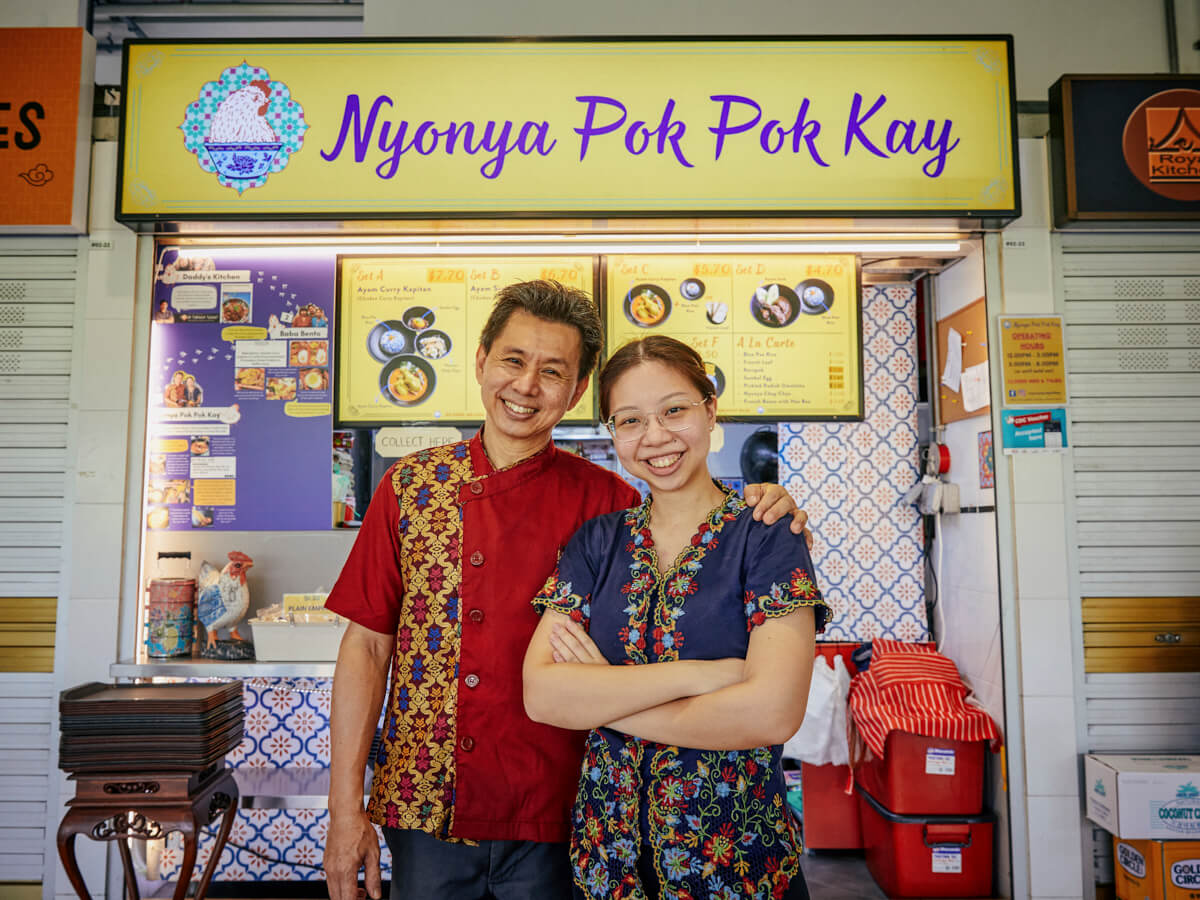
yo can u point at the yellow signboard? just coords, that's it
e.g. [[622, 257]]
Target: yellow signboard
[[779, 335], [408, 329], [1033, 360], [378, 129]]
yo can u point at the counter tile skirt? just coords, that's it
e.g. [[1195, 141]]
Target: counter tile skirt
[[287, 726]]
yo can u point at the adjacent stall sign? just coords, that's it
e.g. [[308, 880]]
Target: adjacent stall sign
[[1033, 360], [408, 329], [437, 128], [1125, 147], [1034, 431], [240, 418], [45, 128], [780, 335]]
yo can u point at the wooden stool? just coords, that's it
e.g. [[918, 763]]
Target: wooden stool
[[148, 805]]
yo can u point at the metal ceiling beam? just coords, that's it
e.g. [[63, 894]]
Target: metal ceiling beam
[[119, 13]]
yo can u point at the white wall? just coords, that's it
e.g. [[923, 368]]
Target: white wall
[[1036, 520], [97, 494], [1051, 38], [43, 13]]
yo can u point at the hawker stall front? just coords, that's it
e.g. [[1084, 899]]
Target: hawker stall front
[[322, 230]]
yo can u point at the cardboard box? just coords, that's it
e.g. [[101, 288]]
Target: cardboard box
[[1144, 796], [1156, 870]]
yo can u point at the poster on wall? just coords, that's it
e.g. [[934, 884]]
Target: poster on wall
[[1034, 431], [1033, 360], [408, 328], [780, 335], [240, 400]]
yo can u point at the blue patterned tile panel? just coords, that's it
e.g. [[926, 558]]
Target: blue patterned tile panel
[[850, 477]]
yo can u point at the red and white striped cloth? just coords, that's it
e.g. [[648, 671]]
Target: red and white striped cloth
[[915, 689]]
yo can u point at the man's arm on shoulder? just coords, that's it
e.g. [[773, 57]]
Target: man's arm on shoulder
[[359, 684], [771, 502]]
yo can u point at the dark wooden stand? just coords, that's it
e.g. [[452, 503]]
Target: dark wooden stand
[[148, 805]]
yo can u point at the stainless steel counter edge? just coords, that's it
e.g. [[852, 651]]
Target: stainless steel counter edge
[[205, 668]]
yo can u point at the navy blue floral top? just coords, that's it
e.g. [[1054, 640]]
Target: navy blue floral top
[[715, 823]]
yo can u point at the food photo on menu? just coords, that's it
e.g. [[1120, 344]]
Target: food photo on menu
[[235, 305], [281, 387], [250, 379], [406, 347], [314, 379]]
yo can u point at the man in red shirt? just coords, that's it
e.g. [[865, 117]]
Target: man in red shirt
[[474, 797]]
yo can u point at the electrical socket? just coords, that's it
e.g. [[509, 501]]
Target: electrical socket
[[950, 498]]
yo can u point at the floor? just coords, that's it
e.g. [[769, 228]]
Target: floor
[[839, 875], [831, 875]]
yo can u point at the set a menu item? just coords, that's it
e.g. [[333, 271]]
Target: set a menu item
[[408, 329], [779, 334]]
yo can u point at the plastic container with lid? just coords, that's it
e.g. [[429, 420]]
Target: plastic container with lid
[[921, 775], [927, 856]]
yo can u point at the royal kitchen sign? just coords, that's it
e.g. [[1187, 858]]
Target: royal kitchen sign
[[438, 128], [1125, 148], [46, 79]]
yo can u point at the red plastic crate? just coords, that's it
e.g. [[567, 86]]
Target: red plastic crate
[[926, 776], [830, 814], [927, 856]]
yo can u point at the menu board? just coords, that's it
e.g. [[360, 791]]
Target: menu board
[[240, 405], [780, 335], [408, 329]]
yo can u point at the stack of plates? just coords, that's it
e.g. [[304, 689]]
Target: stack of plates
[[148, 727]]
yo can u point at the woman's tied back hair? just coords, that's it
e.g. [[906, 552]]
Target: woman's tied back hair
[[656, 348]]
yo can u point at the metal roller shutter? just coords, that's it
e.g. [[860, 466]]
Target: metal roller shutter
[[1132, 310], [38, 289]]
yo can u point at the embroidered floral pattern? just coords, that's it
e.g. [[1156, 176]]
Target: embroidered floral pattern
[[414, 771], [781, 599], [714, 823]]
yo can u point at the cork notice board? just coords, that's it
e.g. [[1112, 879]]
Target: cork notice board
[[971, 324]]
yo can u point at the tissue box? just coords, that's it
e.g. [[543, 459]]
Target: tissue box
[[297, 641]]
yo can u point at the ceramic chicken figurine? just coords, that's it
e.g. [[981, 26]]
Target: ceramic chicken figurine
[[224, 597]]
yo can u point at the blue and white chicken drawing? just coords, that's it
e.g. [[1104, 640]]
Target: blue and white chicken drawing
[[224, 595]]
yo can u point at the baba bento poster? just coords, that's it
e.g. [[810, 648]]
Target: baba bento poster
[[240, 403], [408, 329], [383, 128], [780, 335]]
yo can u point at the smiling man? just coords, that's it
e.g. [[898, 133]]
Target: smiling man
[[474, 798]]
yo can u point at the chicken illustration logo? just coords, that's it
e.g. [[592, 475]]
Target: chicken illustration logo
[[243, 127]]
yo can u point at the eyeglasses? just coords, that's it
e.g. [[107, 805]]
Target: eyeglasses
[[675, 416]]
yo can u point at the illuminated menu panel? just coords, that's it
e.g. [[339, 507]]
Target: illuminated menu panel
[[408, 329], [780, 335]]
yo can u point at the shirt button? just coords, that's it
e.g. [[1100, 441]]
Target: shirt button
[[476, 487], [467, 744], [477, 558], [472, 680], [476, 616]]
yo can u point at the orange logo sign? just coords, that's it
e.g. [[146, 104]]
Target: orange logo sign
[[41, 72], [1162, 144]]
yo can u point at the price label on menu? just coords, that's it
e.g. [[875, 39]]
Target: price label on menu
[[408, 329], [780, 335]]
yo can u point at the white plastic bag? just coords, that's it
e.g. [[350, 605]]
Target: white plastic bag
[[822, 736]]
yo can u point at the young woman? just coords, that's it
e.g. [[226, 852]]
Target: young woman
[[681, 632]]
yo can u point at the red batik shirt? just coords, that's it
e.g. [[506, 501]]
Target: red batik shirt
[[450, 554]]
